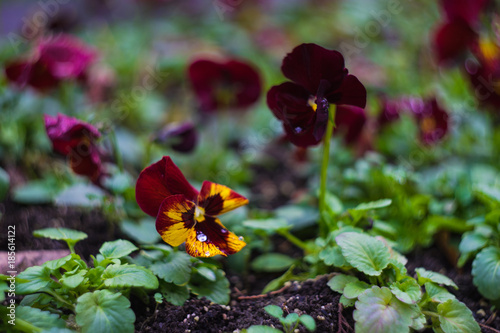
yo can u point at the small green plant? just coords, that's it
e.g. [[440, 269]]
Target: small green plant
[[290, 322], [69, 293], [385, 297], [483, 245]]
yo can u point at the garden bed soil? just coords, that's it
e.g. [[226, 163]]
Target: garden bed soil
[[311, 297]]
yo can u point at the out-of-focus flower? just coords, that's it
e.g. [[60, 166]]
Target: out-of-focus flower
[[390, 110], [485, 74], [100, 83], [432, 121], [458, 31], [224, 85], [76, 139], [181, 137], [185, 215], [53, 60], [319, 78]]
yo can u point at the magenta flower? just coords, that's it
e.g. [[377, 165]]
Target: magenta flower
[[319, 79], [76, 139], [54, 60], [457, 33], [432, 121], [181, 137], [224, 85]]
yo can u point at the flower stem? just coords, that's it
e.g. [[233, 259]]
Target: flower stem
[[324, 169], [294, 240]]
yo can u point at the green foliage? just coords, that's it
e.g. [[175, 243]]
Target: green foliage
[[99, 292], [290, 322], [386, 298], [272, 262], [4, 183]]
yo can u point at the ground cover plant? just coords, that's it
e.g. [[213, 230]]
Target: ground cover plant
[[249, 166]]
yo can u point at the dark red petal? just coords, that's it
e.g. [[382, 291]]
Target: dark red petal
[[19, 72], [180, 137], [218, 199], [351, 92], [233, 84], [85, 160], [65, 57], [158, 181], [175, 218], [484, 83], [433, 122], [308, 64], [467, 10], [209, 238], [303, 138], [66, 132], [349, 121], [452, 39]]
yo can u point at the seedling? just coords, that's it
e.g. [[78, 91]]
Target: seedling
[[290, 322]]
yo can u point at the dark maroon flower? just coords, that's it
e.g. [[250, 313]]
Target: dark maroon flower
[[76, 140], [457, 33], [224, 85], [181, 137], [432, 121], [54, 60], [319, 79], [390, 110]]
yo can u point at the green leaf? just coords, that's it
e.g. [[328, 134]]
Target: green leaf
[[378, 311], [408, 292], [38, 318], [119, 276], [298, 216], [216, 291], [274, 310], [486, 272], [338, 282], [73, 281], [333, 203], [104, 312], [280, 281], [143, 232], [271, 262], [38, 277], [117, 249], [354, 289], [158, 298], [68, 235], [57, 263], [347, 302], [176, 268], [4, 183], [455, 317], [34, 192], [373, 205], [369, 255], [308, 322], [271, 224], [436, 293], [80, 195], [332, 255], [262, 329], [426, 276], [174, 294], [207, 273], [291, 319], [471, 242]]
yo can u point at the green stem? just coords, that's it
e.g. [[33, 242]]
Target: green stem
[[116, 150], [294, 240], [324, 169], [431, 314], [60, 299]]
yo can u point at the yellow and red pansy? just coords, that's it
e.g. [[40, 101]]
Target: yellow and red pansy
[[185, 215]]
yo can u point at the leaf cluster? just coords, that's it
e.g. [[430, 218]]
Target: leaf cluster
[[290, 322]]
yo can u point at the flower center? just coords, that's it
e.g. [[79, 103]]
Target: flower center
[[199, 214], [312, 103], [428, 124], [489, 50]]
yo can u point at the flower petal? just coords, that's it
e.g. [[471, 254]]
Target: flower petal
[[452, 39], [218, 199], [467, 10], [175, 219], [289, 100], [158, 181], [350, 120], [308, 64], [210, 237], [181, 137], [351, 92], [85, 160], [19, 72]]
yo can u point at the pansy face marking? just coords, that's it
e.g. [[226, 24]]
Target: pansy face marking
[[185, 215]]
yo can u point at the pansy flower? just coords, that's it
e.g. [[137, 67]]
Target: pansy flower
[[185, 215], [319, 79], [458, 32], [53, 61], [231, 84], [76, 139], [181, 137], [432, 121]]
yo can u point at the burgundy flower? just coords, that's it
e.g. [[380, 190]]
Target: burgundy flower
[[228, 85], [54, 60], [432, 121], [185, 215], [76, 139], [319, 78], [457, 33], [181, 137]]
